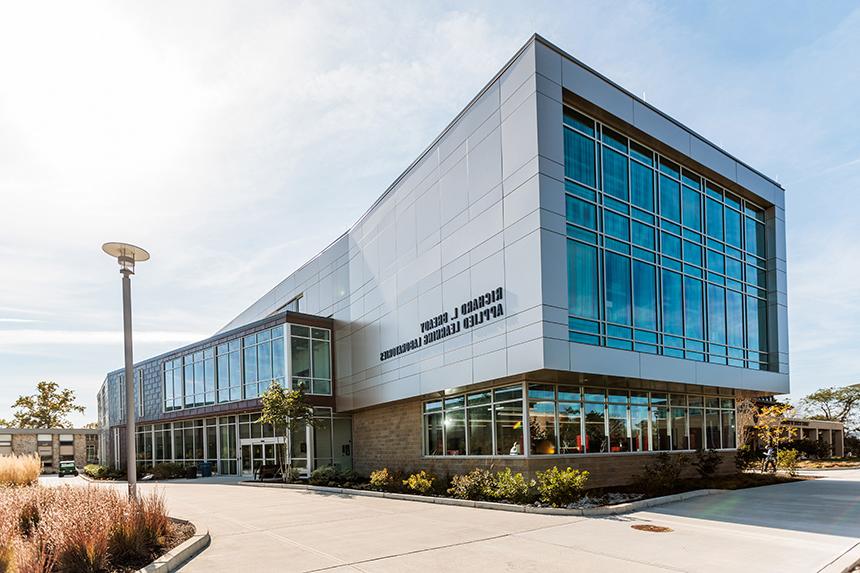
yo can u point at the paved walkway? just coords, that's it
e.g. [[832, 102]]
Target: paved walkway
[[799, 527]]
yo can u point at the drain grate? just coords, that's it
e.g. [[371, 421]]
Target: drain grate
[[652, 528]]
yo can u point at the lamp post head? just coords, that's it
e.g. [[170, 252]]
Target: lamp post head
[[126, 255]]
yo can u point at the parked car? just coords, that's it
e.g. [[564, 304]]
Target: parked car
[[67, 468]]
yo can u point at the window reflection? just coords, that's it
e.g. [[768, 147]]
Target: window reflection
[[573, 420], [615, 270]]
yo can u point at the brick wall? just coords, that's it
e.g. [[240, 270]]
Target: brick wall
[[390, 436], [23, 443], [80, 445]]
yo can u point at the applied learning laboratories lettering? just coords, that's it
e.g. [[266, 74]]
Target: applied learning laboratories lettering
[[469, 314]]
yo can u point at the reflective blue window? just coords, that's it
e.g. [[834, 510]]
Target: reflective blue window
[[656, 247], [642, 186], [716, 262], [616, 225], [579, 157], [644, 296], [583, 284], [755, 237], [581, 213], [692, 253], [670, 198], [735, 318], [617, 288], [641, 153], [673, 304], [692, 202], [694, 315], [714, 213], [734, 268], [578, 121], [733, 228], [671, 245], [614, 173], [716, 314], [615, 140], [643, 235]]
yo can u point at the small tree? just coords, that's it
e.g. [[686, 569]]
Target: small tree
[[287, 411], [770, 427], [747, 410], [840, 404], [49, 407]]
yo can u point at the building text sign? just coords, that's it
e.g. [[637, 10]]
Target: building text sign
[[484, 308]]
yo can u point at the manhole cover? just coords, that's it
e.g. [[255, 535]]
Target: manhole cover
[[652, 528]]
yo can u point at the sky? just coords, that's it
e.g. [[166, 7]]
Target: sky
[[206, 131]]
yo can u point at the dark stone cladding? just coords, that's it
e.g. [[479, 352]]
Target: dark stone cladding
[[152, 375]]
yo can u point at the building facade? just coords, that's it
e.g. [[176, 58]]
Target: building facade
[[54, 445], [566, 276]]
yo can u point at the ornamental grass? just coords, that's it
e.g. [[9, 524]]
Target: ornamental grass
[[20, 469], [80, 530]]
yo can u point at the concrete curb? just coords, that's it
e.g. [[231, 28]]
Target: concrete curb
[[585, 512], [181, 554], [844, 563]]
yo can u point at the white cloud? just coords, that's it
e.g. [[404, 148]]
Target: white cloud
[[234, 141]]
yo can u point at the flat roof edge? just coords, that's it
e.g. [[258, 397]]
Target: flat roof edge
[[561, 52]]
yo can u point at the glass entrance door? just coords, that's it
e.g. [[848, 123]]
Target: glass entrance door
[[246, 460], [257, 452]]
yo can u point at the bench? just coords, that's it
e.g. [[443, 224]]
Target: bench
[[267, 472]]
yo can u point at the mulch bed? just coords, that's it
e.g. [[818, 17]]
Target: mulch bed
[[732, 481]]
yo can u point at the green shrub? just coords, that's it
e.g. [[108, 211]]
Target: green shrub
[[292, 474], [477, 485], [513, 487], [385, 480], [561, 487], [168, 470], [707, 462], [422, 482], [662, 474], [97, 471], [787, 460], [326, 476], [746, 458]]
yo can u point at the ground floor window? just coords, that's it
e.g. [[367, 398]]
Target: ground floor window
[[241, 444], [563, 419]]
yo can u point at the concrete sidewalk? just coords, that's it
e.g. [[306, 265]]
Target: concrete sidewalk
[[801, 527]]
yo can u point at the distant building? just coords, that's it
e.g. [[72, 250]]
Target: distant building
[[828, 432], [54, 445], [566, 276]]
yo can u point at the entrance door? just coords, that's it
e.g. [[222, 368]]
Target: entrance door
[[257, 452], [246, 460]]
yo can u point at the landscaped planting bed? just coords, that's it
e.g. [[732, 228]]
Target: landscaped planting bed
[[556, 487], [82, 529]]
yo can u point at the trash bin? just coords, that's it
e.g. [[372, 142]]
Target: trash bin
[[206, 469], [191, 472]]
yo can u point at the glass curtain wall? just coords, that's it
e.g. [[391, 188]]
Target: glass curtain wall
[[660, 260], [480, 423], [310, 355], [574, 420], [216, 440], [244, 368]]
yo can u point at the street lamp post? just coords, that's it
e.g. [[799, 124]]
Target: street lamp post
[[126, 255]]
